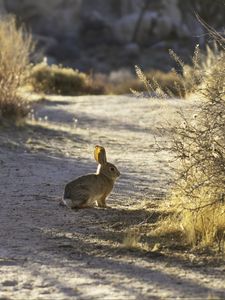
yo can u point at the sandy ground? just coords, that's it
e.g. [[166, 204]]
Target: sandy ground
[[50, 252]]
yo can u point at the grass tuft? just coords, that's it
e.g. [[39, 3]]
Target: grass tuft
[[132, 239]]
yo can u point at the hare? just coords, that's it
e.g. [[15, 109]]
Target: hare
[[86, 190]]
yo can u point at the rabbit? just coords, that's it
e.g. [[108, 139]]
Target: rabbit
[[86, 190]]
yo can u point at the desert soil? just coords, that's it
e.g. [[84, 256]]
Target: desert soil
[[50, 252]]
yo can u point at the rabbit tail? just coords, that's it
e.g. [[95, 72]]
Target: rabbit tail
[[65, 200]]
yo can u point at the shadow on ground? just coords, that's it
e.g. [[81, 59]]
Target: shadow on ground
[[40, 159]]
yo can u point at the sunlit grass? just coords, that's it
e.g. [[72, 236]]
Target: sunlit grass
[[182, 83]]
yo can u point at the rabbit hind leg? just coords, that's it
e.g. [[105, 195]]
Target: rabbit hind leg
[[102, 202], [81, 202]]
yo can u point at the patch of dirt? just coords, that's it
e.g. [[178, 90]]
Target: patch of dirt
[[50, 252]]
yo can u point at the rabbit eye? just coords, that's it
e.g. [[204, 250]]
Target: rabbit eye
[[112, 169]]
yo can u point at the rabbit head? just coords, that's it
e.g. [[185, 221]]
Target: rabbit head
[[104, 167]]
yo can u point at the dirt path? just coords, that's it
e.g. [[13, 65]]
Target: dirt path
[[49, 252]]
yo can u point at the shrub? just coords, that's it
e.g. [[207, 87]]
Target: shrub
[[198, 197], [56, 79], [200, 147], [16, 46]]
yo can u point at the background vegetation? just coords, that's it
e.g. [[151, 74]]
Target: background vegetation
[[16, 47], [56, 79]]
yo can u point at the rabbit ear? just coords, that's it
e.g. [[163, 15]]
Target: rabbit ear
[[100, 155]]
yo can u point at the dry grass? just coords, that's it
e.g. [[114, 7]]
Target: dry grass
[[132, 239], [16, 46], [58, 80], [192, 76], [169, 82], [159, 84], [180, 83]]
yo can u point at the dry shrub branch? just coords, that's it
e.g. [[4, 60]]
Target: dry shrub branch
[[198, 197]]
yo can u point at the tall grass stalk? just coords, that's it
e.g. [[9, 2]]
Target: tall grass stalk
[[186, 80]]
